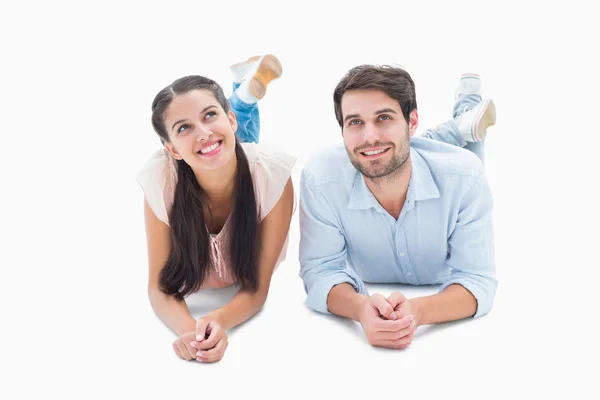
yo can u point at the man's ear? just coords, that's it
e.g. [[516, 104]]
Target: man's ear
[[413, 121], [171, 149]]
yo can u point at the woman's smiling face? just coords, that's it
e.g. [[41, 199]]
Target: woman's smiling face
[[200, 132]]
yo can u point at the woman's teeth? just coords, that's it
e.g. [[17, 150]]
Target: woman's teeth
[[209, 149]]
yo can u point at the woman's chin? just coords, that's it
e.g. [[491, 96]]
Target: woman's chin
[[214, 162]]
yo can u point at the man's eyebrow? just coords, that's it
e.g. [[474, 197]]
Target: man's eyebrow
[[383, 110], [350, 116], [386, 110]]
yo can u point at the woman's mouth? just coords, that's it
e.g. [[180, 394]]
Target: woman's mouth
[[211, 150]]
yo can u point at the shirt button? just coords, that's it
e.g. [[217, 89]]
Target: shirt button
[[401, 254], [408, 274]]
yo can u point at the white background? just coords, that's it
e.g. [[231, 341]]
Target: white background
[[77, 83]]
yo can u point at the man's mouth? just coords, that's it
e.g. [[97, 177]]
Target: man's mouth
[[373, 153]]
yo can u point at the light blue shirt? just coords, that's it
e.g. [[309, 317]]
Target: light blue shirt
[[443, 234]]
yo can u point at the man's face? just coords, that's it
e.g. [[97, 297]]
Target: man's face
[[376, 135]]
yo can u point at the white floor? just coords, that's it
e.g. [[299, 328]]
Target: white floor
[[75, 121]]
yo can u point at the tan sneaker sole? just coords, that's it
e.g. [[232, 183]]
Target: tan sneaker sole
[[485, 119], [268, 70], [248, 61]]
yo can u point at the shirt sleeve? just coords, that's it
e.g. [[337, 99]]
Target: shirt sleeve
[[322, 249], [273, 168], [471, 247], [157, 179]]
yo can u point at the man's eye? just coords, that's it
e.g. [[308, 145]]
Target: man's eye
[[355, 122], [384, 117]]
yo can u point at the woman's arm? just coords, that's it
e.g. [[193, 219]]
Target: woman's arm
[[171, 312], [273, 230]]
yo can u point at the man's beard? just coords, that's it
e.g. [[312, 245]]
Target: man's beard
[[375, 169]]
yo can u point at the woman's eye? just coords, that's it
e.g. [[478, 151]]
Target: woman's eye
[[182, 128], [210, 114]]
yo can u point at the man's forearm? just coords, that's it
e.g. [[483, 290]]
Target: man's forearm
[[344, 301], [453, 303]]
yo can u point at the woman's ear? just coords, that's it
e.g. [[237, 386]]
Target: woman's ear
[[171, 149], [232, 121]]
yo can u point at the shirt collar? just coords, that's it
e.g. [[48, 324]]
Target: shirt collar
[[360, 196], [421, 181], [421, 186]]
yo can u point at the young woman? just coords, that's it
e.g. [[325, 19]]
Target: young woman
[[217, 211]]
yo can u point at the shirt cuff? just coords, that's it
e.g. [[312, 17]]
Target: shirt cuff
[[317, 295], [483, 292]]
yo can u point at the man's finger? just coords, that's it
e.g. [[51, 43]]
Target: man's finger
[[393, 326], [384, 308], [396, 299], [397, 335], [395, 344]]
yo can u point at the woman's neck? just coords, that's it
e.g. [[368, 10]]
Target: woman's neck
[[218, 184]]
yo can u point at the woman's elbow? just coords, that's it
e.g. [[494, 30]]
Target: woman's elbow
[[155, 295], [261, 295]]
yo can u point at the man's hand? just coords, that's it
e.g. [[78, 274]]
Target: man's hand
[[402, 308], [383, 326], [211, 340]]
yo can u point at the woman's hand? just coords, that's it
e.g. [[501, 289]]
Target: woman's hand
[[211, 340], [183, 346]]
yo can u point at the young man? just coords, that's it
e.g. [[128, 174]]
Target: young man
[[389, 207]]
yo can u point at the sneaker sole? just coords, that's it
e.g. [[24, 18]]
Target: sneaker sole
[[485, 118], [244, 63], [268, 70], [469, 76]]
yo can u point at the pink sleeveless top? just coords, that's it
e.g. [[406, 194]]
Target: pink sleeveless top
[[270, 169]]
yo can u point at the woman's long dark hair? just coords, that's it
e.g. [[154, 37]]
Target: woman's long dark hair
[[188, 264]]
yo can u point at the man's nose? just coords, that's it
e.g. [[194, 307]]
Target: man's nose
[[371, 133]]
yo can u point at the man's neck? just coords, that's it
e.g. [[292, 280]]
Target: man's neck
[[390, 190]]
